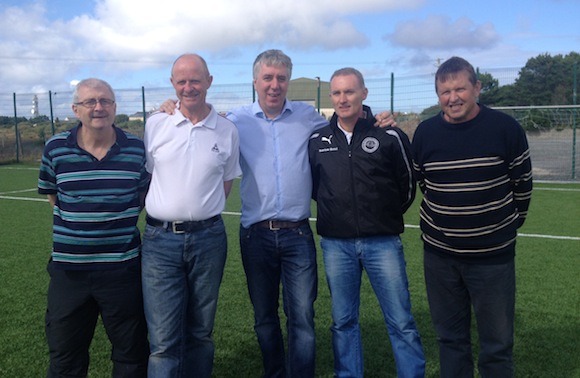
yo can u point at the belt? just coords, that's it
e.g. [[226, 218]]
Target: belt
[[274, 225], [180, 227]]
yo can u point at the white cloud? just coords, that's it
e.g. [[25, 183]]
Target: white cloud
[[119, 36], [128, 28], [31, 48], [441, 33]]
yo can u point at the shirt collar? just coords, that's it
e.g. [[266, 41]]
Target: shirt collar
[[72, 137], [210, 121], [258, 112]]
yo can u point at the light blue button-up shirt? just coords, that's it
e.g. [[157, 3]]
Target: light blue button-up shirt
[[276, 181]]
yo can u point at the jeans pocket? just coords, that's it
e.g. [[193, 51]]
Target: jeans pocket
[[217, 227], [245, 234], [152, 232], [303, 231]]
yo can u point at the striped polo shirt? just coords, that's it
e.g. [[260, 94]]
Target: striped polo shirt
[[97, 201]]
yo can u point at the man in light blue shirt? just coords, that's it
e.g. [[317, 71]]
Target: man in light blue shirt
[[274, 158], [276, 240]]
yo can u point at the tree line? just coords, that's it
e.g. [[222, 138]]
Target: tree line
[[544, 80]]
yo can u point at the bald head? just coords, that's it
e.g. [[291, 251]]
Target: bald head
[[189, 60]]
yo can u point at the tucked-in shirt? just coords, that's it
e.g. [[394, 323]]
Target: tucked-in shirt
[[276, 180], [189, 164], [97, 201]]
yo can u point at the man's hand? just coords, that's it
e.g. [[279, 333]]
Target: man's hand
[[384, 119], [168, 106]]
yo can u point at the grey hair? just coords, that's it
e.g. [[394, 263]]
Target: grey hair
[[91, 83], [272, 58]]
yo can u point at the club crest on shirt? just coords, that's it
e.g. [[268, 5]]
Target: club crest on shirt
[[370, 144]]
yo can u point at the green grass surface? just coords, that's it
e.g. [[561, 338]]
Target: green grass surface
[[547, 313]]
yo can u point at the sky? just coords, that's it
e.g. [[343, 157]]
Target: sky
[[51, 44]]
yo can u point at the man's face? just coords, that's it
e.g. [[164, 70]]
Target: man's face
[[271, 84], [191, 82], [347, 96], [458, 98], [102, 114]]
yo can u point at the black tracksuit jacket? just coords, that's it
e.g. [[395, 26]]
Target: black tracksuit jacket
[[362, 188]]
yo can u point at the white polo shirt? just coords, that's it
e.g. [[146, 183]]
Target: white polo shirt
[[189, 164]]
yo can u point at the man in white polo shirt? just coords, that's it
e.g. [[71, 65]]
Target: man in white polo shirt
[[193, 156]]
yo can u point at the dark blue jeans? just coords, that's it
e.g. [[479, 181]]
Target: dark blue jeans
[[452, 288], [75, 300], [286, 256]]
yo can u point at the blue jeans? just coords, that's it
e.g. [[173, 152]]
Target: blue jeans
[[287, 256], [452, 288], [383, 259], [182, 274]]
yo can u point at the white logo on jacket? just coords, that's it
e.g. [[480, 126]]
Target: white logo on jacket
[[325, 139], [370, 144]]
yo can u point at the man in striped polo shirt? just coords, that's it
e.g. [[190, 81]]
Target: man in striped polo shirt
[[95, 178], [473, 167]]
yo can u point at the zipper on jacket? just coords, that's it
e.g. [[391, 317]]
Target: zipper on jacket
[[350, 171]]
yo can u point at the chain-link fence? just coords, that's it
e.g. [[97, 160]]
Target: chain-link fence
[[27, 120]]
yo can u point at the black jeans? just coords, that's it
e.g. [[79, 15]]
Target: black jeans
[[75, 300]]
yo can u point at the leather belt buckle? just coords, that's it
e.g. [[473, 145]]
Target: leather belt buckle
[[272, 227]]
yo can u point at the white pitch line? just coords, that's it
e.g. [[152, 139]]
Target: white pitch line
[[19, 168], [556, 237], [550, 236], [559, 189], [417, 226], [24, 198], [19, 191]]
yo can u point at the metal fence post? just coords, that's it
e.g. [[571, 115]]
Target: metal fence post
[[143, 104], [392, 92], [574, 92], [51, 112], [16, 127], [318, 93]]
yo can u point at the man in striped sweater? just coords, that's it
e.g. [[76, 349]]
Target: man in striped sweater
[[473, 167], [95, 178]]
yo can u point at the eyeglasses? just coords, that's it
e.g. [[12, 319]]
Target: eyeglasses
[[92, 103]]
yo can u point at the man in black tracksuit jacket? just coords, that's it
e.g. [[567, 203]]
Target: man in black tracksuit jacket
[[361, 192], [363, 183]]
